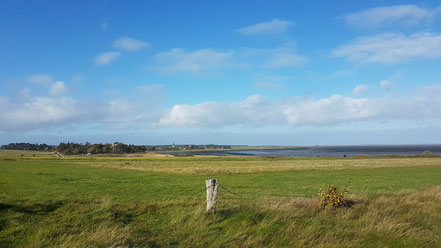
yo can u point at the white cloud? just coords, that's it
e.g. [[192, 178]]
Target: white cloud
[[279, 57], [24, 93], [384, 16], [385, 84], [267, 85], [333, 109], [285, 58], [275, 26], [58, 89], [391, 48], [129, 44], [39, 112], [258, 111], [41, 79], [179, 60], [139, 112], [125, 114], [106, 58], [133, 112], [216, 114], [359, 90], [205, 60], [136, 112]]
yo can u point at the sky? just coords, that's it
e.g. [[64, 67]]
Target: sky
[[220, 72]]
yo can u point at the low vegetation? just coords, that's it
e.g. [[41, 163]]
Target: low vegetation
[[71, 148], [159, 201], [28, 147], [334, 198]]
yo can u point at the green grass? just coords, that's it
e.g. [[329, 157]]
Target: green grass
[[160, 201], [23, 153]]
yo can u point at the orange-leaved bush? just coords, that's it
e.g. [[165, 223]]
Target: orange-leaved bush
[[333, 198]]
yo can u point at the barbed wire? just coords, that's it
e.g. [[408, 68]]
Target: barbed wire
[[229, 190]]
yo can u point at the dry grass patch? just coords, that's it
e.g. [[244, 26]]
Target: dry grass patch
[[215, 165]]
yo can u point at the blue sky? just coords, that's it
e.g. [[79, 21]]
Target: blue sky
[[226, 72]]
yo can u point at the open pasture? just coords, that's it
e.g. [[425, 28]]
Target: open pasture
[[159, 201]]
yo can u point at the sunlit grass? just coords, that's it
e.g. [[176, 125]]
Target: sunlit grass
[[205, 165], [159, 201]]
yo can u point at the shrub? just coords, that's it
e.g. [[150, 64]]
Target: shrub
[[333, 198]]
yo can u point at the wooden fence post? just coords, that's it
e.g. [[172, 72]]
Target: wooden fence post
[[211, 185]]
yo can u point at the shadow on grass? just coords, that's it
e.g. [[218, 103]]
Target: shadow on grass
[[35, 208], [224, 213], [3, 224], [239, 214], [122, 217], [349, 203]]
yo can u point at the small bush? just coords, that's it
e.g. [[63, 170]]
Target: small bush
[[333, 198]]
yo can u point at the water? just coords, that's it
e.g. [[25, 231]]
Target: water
[[326, 151]]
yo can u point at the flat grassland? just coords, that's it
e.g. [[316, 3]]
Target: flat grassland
[[159, 201]]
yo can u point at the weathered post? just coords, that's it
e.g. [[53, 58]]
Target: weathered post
[[211, 185]]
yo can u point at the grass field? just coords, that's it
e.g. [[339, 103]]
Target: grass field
[[159, 201]]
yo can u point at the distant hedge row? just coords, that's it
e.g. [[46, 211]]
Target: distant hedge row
[[118, 148], [76, 148], [28, 146]]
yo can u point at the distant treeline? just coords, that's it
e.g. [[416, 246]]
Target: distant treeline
[[76, 148], [118, 148], [28, 146]]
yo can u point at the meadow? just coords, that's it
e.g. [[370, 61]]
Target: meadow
[[151, 200]]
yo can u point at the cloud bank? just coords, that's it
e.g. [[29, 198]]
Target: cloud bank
[[60, 108], [58, 89], [256, 111], [129, 44], [41, 112], [275, 26], [359, 90], [391, 48], [180, 60], [106, 58], [385, 16]]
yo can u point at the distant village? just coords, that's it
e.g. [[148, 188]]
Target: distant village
[[87, 148]]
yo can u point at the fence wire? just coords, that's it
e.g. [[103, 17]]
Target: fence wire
[[229, 191]]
